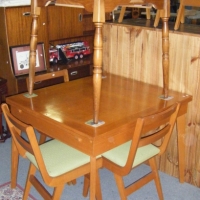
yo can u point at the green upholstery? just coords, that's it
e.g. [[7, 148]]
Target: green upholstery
[[119, 155], [60, 158]]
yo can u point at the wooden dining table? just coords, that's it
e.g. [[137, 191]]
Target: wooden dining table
[[63, 111]]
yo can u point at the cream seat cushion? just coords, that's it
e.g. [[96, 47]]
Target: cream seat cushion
[[119, 155], [60, 158]]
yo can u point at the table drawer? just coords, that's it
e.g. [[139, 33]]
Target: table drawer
[[79, 72]]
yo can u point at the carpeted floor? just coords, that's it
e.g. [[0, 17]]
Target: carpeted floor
[[172, 189], [12, 194]]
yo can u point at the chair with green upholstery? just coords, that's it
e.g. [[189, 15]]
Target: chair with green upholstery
[[122, 159], [57, 162]]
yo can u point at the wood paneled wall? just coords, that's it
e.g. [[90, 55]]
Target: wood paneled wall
[[136, 52]]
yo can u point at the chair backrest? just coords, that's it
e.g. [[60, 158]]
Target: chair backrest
[[161, 125], [42, 77], [30, 145]]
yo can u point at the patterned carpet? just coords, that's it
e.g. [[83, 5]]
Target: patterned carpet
[[6, 193]]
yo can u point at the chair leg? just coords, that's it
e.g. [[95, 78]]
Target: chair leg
[[14, 165], [157, 18], [87, 185], [148, 13], [57, 192], [152, 163], [183, 16], [73, 182], [32, 170], [179, 15], [98, 187], [121, 16], [120, 185]]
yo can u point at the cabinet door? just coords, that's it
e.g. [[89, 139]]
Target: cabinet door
[[64, 22], [19, 22]]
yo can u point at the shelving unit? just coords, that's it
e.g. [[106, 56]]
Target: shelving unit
[[57, 25]]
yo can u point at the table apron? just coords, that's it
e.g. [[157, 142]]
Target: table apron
[[88, 145]]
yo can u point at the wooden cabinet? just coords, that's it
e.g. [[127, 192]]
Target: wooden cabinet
[[56, 25], [18, 35], [66, 23]]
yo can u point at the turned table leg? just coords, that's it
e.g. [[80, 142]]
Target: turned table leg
[[98, 19]]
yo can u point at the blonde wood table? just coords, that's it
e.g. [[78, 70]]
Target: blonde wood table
[[61, 111]]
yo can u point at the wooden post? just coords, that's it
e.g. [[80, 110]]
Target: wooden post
[[98, 19], [35, 12], [165, 56], [165, 14]]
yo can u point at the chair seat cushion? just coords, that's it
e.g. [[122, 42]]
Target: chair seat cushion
[[59, 158], [119, 155]]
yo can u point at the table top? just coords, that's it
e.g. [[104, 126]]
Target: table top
[[61, 110]]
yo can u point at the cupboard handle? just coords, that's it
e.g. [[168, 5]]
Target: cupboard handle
[[74, 73], [80, 17], [26, 14]]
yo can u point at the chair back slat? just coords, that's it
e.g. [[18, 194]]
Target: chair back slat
[[21, 142], [156, 120], [153, 137]]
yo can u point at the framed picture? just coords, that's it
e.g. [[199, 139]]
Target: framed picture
[[20, 59]]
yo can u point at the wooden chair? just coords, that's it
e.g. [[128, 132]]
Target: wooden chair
[[51, 75], [148, 13], [123, 9], [18, 152], [121, 160], [47, 76], [57, 162], [180, 15]]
